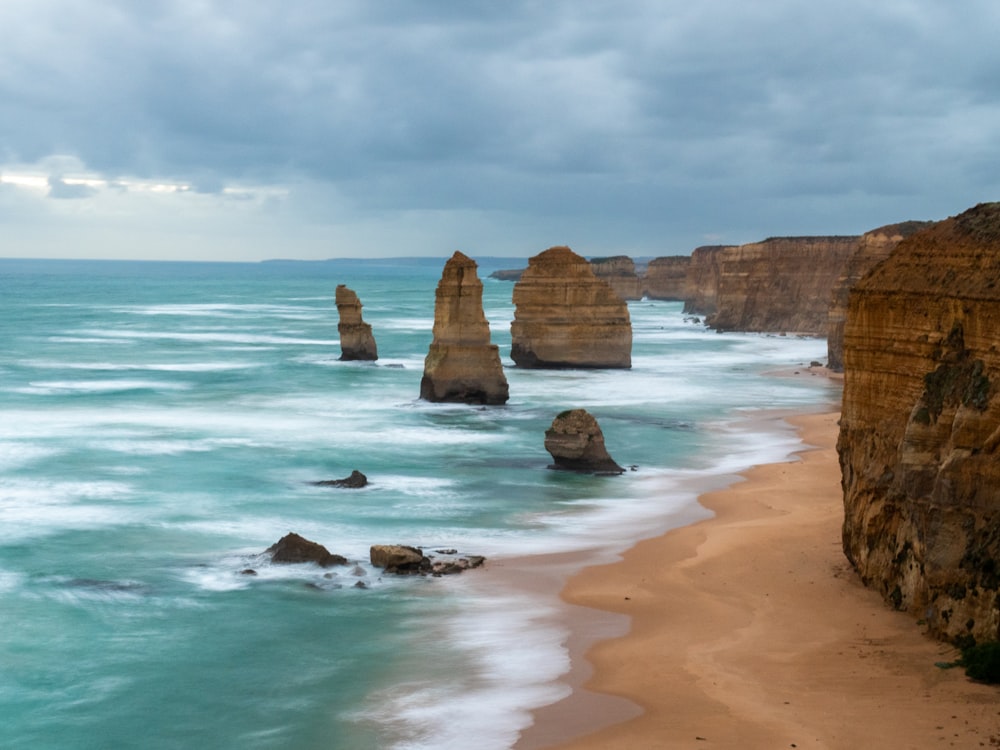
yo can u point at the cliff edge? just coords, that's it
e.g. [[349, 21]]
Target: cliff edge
[[920, 429]]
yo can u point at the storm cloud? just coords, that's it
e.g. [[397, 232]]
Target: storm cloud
[[313, 129]]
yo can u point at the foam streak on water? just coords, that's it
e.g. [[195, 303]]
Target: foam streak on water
[[162, 424]]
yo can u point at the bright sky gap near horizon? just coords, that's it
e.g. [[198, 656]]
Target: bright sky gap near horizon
[[221, 130]]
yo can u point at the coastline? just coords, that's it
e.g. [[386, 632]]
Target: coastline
[[749, 629]]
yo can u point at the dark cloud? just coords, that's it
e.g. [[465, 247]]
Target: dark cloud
[[662, 117]]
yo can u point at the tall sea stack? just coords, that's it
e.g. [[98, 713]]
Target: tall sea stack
[[920, 427], [356, 339], [462, 365], [565, 316]]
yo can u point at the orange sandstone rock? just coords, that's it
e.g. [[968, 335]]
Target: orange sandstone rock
[[356, 339], [567, 317], [666, 278], [462, 365], [920, 429]]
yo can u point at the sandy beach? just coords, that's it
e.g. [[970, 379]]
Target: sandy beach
[[749, 630]]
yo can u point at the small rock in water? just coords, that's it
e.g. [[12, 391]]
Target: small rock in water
[[293, 548], [355, 481]]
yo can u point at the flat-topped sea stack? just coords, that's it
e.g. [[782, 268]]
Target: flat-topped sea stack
[[619, 272], [920, 427], [564, 316], [873, 247], [462, 365], [780, 285], [701, 289], [356, 339], [666, 278], [576, 443]]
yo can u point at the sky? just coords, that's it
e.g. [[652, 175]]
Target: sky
[[312, 129]]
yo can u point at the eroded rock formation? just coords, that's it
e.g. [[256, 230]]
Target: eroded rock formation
[[701, 294], [292, 548], [567, 317], [355, 481], [619, 272], [356, 339], [576, 443], [920, 428], [782, 284], [666, 278], [462, 365], [403, 560]]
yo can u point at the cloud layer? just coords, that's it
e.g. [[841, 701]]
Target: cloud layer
[[313, 129]]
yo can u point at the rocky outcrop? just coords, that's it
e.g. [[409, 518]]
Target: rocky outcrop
[[357, 480], [356, 339], [873, 247], [920, 428], [293, 548], [782, 284], [666, 278], [403, 560], [565, 316], [619, 272], [507, 274], [576, 443], [462, 365]]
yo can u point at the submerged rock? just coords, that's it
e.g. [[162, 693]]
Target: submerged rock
[[355, 481], [576, 443], [293, 548]]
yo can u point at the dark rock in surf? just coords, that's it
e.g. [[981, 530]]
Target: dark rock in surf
[[293, 548], [404, 560], [355, 481]]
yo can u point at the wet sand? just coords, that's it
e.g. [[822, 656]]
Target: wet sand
[[749, 630]]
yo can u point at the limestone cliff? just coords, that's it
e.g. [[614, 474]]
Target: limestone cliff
[[873, 247], [619, 272], [666, 278], [780, 284], [356, 339], [920, 429], [701, 288], [462, 365], [576, 443], [565, 316]]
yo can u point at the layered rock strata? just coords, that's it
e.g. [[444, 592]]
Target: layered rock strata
[[620, 274], [701, 288], [666, 278], [565, 316], [782, 284], [920, 428], [462, 365], [873, 247], [356, 339], [576, 443]]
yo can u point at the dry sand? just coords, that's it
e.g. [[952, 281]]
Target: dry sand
[[750, 630]]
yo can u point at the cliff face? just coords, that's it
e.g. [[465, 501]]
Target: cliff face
[[920, 429], [356, 339], [619, 272], [701, 288], [462, 365], [780, 284], [565, 316], [666, 278], [873, 247]]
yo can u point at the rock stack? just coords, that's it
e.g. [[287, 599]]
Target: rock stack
[[666, 278], [576, 443], [619, 272], [462, 365], [920, 427], [567, 317], [356, 339]]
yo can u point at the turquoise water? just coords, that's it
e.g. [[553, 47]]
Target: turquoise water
[[160, 424]]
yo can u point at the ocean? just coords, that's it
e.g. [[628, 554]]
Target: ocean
[[161, 425]]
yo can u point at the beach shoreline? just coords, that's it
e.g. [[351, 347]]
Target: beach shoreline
[[749, 629]]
